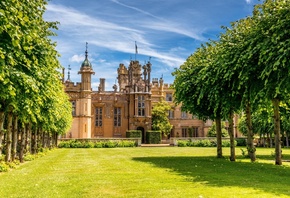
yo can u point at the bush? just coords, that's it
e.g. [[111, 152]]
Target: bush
[[4, 167], [111, 144], [203, 143], [153, 137], [241, 141], [29, 157], [98, 144], [182, 143], [126, 143], [64, 144], [133, 134]]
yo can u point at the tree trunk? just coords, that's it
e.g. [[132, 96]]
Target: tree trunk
[[278, 151], [22, 145], [14, 138], [49, 140], [28, 138], [286, 139], [55, 139], [34, 141], [2, 118], [231, 134], [9, 137], [250, 135], [43, 139], [219, 137]]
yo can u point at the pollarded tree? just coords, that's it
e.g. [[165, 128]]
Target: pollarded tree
[[160, 120], [272, 24], [193, 88], [238, 68], [28, 63]]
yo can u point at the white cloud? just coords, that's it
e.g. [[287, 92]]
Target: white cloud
[[248, 1], [77, 58]]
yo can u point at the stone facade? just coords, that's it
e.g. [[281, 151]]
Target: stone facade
[[108, 114]]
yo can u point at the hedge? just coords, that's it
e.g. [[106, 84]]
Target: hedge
[[98, 144], [203, 143], [133, 134], [153, 137]]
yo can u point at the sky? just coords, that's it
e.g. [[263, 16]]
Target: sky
[[166, 32]]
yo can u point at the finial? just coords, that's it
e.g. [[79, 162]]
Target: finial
[[68, 73], [86, 50]]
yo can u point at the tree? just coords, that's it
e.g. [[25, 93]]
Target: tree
[[28, 73], [160, 120], [196, 94], [272, 20]]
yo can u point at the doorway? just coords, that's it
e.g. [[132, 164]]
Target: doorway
[[142, 133]]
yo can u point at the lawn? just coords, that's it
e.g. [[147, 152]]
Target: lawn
[[148, 172]]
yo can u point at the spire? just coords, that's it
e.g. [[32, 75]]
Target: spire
[[68, 74], [86, 52], [86, 62]]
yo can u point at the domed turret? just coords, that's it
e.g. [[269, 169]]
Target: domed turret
[[86, 62]]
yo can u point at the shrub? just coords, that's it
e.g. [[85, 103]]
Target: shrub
[[241, 141], [64, 144], [126, 143], [111, 144], [182, 143], [153, 137], [29, 157], [4, 167], [133, 134], [227, 143], [202, 143], [98, 145]]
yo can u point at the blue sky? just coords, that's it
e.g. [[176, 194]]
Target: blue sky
[[168, 31]]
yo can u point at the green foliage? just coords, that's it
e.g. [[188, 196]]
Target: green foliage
[[153, 137], [97, 144], [4, 167], [133, 134], [241, 141], [160, 120], [29, 157], [202, 143], [212, 131]]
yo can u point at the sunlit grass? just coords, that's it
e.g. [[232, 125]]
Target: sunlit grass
[[148, 172]]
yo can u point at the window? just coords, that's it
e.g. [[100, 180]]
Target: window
[[184, 132], [168, 96], [170, 114], [73, 104], [183, 115], [117, 116], [195, 131], [141, 106], [99, 116]]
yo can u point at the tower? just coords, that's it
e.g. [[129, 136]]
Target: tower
[[85, 115]]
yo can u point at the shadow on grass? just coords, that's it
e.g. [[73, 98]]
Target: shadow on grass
[[221, 172]]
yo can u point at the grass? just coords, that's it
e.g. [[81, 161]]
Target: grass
[[148, 172]]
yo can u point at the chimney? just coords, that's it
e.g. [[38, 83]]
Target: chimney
[[102, 84]]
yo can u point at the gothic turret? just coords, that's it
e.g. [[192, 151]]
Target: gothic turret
[[86, 71], [85, 114]]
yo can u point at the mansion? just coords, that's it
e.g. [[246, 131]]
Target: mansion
[[109, 114]]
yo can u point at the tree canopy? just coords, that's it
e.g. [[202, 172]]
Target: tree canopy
[[249, 63]]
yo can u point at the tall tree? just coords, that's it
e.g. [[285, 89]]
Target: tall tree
[[160, 120]]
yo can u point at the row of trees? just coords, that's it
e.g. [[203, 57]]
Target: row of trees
[[33, 105], [248, 66]]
